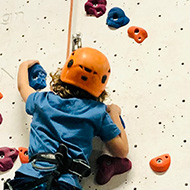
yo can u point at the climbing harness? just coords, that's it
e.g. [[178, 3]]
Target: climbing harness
[[61, 164]]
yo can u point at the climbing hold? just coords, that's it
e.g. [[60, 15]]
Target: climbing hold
[[122, 122], [117, 18], [1, 95], [23, 155], [109, 166], [160, 163], [95, 7], [137, 33], [37, 77], [7, 158], [1, 119]]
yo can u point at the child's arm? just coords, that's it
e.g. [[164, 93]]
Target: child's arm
[[23, 83], [118, 146]]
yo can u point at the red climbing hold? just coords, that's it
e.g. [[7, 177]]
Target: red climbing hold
[[1, 119], [160, 163], [23, 155], [95, 7], [7, 158], [137, 33], [110, 166], [1, 95]]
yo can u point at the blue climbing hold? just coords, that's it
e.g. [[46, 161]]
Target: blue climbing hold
[[122, 122], [117, 18], [37, 77]]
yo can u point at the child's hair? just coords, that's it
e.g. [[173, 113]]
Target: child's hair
[[65, 90]]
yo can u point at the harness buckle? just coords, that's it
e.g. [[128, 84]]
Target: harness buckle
[[80, 168], [33, 162]]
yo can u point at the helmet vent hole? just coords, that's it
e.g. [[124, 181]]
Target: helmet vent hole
[[109, 71], [70, 63], [81, 66], [104, 79], [95, 73], [84, 78], [87, 70]]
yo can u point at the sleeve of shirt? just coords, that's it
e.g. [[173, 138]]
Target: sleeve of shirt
[[30, 103], [108, 130]]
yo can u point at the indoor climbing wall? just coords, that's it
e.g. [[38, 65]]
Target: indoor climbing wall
[[150, 79]]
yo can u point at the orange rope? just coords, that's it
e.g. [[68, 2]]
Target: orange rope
[[69, 29]]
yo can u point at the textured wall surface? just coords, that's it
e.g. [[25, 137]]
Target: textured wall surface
[[150, 81]]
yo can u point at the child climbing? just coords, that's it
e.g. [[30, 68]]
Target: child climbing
[[64, 122]]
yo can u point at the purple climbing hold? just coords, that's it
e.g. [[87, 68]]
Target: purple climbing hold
[[95, 7], [7, 158], [1, 119]]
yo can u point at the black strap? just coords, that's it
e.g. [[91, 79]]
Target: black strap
[[48, 178], [80, 167], [7, 185]]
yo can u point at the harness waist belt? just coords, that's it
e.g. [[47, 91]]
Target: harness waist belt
[[62, 162]]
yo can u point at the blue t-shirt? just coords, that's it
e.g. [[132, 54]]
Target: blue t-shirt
[[72, 121]]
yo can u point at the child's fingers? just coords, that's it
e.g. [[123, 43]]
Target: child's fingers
[[30, 63], [114, 108]]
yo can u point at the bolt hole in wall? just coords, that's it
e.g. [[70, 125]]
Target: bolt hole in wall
[[149, 80]]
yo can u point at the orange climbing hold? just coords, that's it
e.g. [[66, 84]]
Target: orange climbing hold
[[160, 163], [1, 95], [23, 155], [137, 33]]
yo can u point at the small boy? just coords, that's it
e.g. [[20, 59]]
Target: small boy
[[64, 122]]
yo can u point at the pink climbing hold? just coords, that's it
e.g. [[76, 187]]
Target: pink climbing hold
[[95, 7], [1, 119], [7, 158]]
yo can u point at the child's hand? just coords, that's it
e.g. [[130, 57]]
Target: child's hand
[[30, 63], [114, 109], [23, 83], [118, 146]]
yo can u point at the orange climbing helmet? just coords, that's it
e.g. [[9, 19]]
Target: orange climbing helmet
[[88, 69]]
